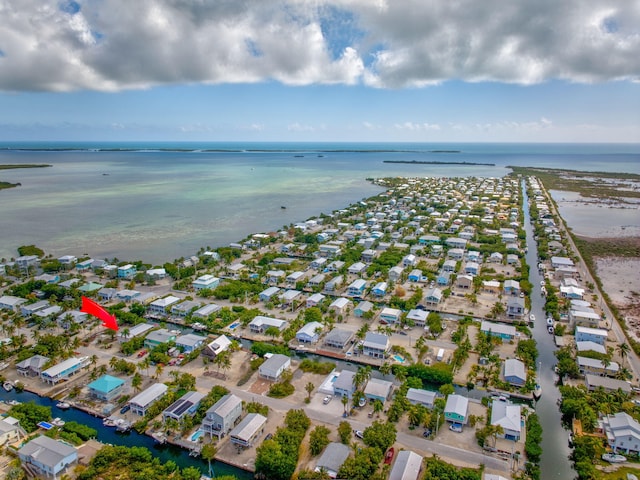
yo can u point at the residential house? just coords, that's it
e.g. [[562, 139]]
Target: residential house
[[184, 308], [444, 278], [376, 345], [318, 263], [9, 302], [594, 366], [335, 266], [434, 296], [261, 323], [506, 332], [273, 367], [141, 402], [609, 385], [515, 307], [390, 315], [25, 261], [309, 333], [464, 281], [596, 335], [127, 295], [456, 254], [10, 430], [127, 271], [159, 337], [559, 262], [216, 347], [584, 317], [289, 296], [48, 457], [415, 275], [380, 290], [362, 308], [512, 259], [590, 347], [32, 366], [407, 466], [511, 287], [332, 459], [377, 389], [206, 310], [472, 268], [338, 338], [126, 334], [207, 281], [187, 405], [395, 274], [449, 266], [334, 284], [509, 417], [84, 265], [357, 268], [515, 372], [418, 317], [343, 386], [456, 409], [294, 278], [161, 306], [275, 276], [268, 294], [66, 319], [29, 309], [573, 293], [222, 416], [189, 342], [48, 278], [106, 388], [418, 396], [491, 286], [64, 370], [496, 257], [316, 281], [356, 289], [154, 273], [622, 432], [248, 431], [315, 300], [368, 255]]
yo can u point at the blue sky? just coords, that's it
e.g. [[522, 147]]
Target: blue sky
[[314, 70]]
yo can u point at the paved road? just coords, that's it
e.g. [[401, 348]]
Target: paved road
[[330, 417]]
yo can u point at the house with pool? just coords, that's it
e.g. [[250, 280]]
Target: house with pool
[[187, 405], [222, 416]]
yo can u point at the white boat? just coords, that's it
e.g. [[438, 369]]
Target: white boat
[[532, 317], [537, 392], [362, 402], [109, 422], [13, 402], [613, 458], [58, 422], [8, 386], [123, 426], [63, 405]]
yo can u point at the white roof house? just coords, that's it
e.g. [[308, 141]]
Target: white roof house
[[418, 396], [378, 389], [590, 346], [48, 456], [273, 367], [248, 430], [309, 332], [260, 323], [217, 346], [9, 302], [596, 335], [456, 409], [622, 431], [508, 416], [64, 369], [515, 372], [419, 317], [141, 402], [407, 466], [134, 331], [205, 281]]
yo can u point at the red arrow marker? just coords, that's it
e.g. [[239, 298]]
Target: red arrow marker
[[92, 308]]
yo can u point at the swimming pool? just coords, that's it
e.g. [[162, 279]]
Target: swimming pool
[[45, 425], [197, 434], [234, 325], [398, 358], [333, 380]]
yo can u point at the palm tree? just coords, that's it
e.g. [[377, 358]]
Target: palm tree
[[345, 401], [208, 453], [385, 368], [362, 376], [623, 351], [378, 406], [159, 370], [357, 398], [136, 381], [309, 387]]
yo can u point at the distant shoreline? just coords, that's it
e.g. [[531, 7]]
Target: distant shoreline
[[420, 162], [5, 185]]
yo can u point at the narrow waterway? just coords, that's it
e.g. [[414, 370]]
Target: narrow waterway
[[109, 435], [555, 461]]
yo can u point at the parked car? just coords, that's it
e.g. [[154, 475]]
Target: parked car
[[142, 353], [125, 409], [455, 427], [358, 433], [327, 399]]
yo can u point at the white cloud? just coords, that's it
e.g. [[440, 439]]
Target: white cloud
[[297, 127], [122, 44], [417, 126]]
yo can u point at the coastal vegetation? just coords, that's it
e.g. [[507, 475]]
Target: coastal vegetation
[[4, 185]]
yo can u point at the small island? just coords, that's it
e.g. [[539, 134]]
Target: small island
[[419, 162], [4, 185]]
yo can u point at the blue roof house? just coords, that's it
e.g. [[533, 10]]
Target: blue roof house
[[356, 289], [444, 278], [127, 271], [415, 275], [380, 290], [106, 388]]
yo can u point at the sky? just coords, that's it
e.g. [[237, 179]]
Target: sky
[[320, 70]]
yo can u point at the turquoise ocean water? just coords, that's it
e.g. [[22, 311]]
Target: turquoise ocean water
[[161, 201]]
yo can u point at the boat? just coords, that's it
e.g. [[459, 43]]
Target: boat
[[283, 207], [58, 422], [198, 326], [362, 402], [537, 392], [63, 405], [12, 402], [613, 458], [123, 426], [159, 437], [532, 317], [388, 458], [109, 421], [8, 386]]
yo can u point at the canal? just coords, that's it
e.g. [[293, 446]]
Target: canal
[[555, 462], [109, 435]]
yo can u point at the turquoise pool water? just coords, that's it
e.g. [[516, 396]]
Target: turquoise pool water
[[398, 358], [334, 378], [197, 434]]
